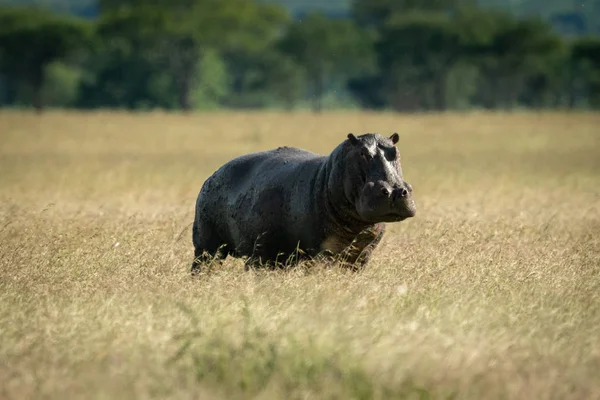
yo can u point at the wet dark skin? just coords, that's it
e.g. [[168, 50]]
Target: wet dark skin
[[287, 204]]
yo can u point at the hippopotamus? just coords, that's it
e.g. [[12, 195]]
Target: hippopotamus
[[281, 206]]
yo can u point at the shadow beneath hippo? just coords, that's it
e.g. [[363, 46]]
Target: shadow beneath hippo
[[278, 208]]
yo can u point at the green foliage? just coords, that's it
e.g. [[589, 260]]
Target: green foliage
[[212, 82], [265, 79], [257, 70], [418, 68], [461, 86], [285, 78], [62, 85], [585, 69], [204, 54], [31, 39], [327, 49], [509, 53], [512, 59], [178, 33], [124, 67]]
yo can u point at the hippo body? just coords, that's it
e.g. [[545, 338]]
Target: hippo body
[[288, 204]]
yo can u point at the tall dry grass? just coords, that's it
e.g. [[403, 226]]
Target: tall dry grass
[[491, 291]]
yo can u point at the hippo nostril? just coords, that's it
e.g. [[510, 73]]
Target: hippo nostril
[[385, 192], [399, 193]]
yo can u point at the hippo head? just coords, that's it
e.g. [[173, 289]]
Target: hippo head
[[373, 179]]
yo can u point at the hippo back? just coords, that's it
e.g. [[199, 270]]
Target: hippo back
[[275, 192]]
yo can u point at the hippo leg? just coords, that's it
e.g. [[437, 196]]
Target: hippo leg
[[267, 254], [261, 259], [208, 246], [367, 252], [280, 262], [358, 254], [252, 263], [203, 256]]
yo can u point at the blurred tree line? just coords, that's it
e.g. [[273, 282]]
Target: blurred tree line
[[408, 55]]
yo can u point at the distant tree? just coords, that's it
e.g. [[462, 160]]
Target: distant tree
[[256, 68], [178, 32], [368, 90], [418, 48], [416, 52], [546, 82], [428, 59], [284, 79], [265, 79], [61, 85], [585, 70], [212, 83], [31, 39], [327, 49], [125, 69], [508, 52]]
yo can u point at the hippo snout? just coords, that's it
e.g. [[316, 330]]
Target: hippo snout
[[402, 201], [399, 194], [382, 202], [406, 207], [394, 194]]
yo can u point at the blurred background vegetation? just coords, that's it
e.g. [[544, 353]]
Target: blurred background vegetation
[[405, 55]]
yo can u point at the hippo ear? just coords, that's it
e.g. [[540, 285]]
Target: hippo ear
[[353, 139], [395, 137]]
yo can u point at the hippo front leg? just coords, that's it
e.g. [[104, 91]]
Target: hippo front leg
[[357, 255], [208, 247], [204, 258]]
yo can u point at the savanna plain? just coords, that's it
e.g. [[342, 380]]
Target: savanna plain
[[491, 291]]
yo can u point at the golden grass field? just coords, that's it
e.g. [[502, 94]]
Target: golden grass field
[[491, 292]]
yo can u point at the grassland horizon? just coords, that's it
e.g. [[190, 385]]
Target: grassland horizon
[[491, 291]]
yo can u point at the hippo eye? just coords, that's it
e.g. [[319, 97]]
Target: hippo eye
[[391, 154]]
